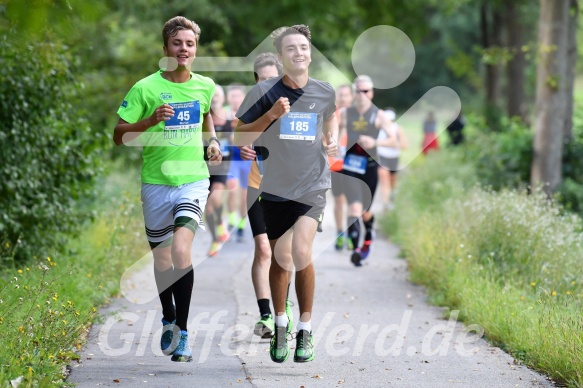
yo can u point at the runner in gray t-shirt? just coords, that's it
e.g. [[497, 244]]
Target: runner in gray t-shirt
[[293, 115], [297, 163]]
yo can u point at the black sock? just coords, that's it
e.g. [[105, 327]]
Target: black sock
[[210, 221], [368, 228], [182, 290], [164, 280], [219, 214], [354, 230], [264, 308]]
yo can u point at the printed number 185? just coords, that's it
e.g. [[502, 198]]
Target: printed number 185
[[299, 126]]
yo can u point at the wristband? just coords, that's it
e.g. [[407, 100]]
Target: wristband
[[215, 139]]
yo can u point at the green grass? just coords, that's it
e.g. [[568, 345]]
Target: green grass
[[578, 90], [508, 261], [48, 304]]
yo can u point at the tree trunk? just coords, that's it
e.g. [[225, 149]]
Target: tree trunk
[[516, 67], [491, 31], [571, 64], [551, 94], [491, 26]]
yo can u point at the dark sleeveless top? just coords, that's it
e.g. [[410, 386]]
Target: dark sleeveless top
[[357, 125]]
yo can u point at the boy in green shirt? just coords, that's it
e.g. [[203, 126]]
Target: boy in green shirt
[[168, 112]]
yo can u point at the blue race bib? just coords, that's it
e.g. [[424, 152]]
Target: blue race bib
[[186, 116], [186, 121], [355, 163], [225, 146], [298, 126]]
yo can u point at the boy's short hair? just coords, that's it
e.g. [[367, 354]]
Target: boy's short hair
[[266, 59], [282, 32], [177, 23]]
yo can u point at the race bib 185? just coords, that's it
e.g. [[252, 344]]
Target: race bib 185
[[298, 126]]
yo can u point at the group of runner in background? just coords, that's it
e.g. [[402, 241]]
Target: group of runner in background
[[355, 116]]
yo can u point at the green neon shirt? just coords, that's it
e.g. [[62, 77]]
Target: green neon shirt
[[172, 150]]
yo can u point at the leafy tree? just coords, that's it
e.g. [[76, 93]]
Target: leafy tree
[[49, 154], [553, 92]]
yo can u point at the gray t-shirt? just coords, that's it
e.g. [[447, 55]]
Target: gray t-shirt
[[296, 164]]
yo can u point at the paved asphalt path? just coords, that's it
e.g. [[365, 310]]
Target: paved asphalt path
[[372, 327]]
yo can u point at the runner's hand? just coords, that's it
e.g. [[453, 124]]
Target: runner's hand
[[214, 154], [366, 142], [279, 109], [331, 145], [163, 113], [248, 153]]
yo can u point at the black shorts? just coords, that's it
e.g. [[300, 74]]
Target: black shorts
[[219, 173], [255, 212], [363, 193], [391, 164], [281, 216], [218, 179], [337, 183]]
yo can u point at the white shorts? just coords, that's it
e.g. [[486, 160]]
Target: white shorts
[[162, 205]]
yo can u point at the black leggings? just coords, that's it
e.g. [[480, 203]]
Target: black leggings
[[362, 193]]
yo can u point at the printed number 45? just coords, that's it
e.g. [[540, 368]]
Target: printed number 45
[[299, 126], [184, 115]]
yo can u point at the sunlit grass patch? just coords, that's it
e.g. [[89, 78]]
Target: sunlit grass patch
[[509, 261], [48, 304]]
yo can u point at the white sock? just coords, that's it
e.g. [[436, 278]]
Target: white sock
[[281, 320], [305, 326]]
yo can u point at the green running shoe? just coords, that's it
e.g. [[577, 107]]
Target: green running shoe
[[182, 353], [278, 348], [339, 242], [290, 315], [264, 327], [304, 347], [349, 244]]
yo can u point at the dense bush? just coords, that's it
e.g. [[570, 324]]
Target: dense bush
[[49, 155], [571, 190], [502, 159]]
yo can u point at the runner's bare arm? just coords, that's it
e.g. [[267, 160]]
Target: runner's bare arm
[[342, 125], [214, 153], [247, 133], [383, 121], [208, 126], [248, 153], [331, 135], [125, 132]]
